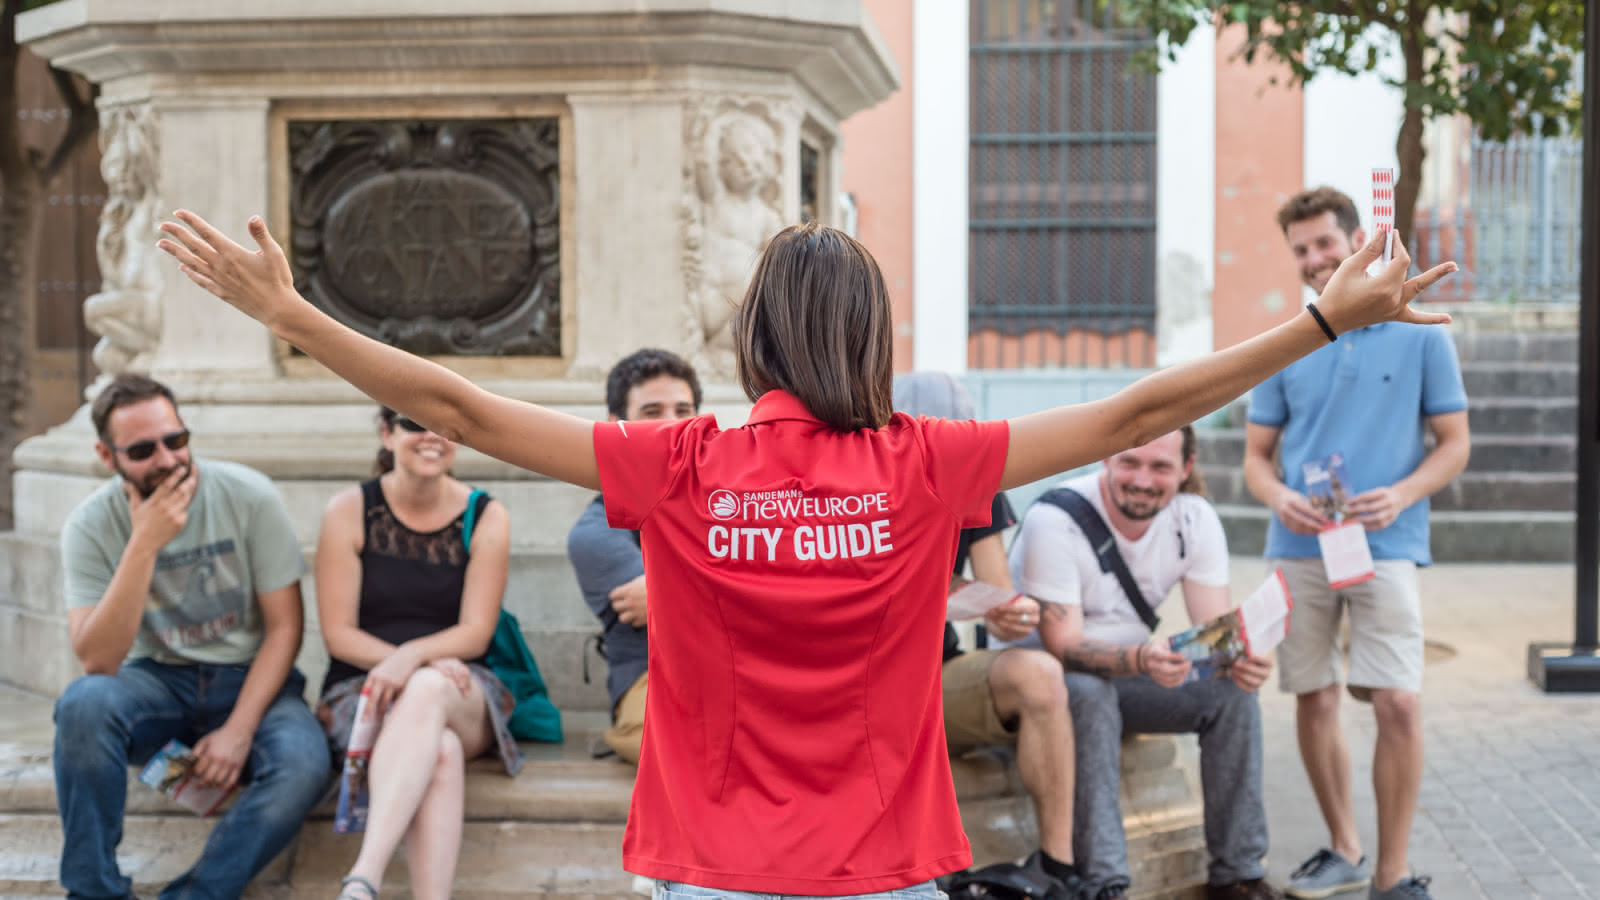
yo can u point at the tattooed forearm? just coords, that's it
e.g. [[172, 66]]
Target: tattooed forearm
[[1100, 658], [1103, 659]]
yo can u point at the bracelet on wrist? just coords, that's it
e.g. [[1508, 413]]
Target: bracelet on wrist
[[1326, 328]]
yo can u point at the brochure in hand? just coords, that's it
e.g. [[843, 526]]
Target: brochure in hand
[[351, 813], [171, 771], [974, 598], [1346, 556], [1259, 624]]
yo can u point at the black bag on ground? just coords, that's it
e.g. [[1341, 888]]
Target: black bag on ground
[[1005, 881]]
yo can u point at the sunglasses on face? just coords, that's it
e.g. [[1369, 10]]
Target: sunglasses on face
[[410, 425], [139, 451]]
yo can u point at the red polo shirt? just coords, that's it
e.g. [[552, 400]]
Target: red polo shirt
[[793, 736]]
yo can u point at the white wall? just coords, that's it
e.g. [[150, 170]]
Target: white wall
[[1186, 182], [940, 141], [1351, 123]]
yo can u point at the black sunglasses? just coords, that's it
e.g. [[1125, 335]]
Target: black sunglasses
[[139, 451], [410, 425]]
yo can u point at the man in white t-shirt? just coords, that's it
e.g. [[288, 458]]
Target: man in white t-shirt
[[1121, 681]]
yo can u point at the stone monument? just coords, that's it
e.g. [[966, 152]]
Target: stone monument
[[523, 190]]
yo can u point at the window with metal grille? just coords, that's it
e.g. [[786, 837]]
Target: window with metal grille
[[1063, 170]]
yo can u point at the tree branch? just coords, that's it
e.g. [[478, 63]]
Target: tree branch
[[82, 122]]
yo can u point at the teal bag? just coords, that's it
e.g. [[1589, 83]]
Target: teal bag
[[535, 717]]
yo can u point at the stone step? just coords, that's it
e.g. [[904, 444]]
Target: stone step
[[1490, 452], [1457, 536], [1525, 346], [1554, 416], [555, 831], [1520, 379], [1552, 491]]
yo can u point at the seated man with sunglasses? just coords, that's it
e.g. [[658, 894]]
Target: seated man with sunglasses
[[183, 598]]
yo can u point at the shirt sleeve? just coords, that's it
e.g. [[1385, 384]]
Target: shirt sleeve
[[1268, 404], [86, 563], [964, 461], [1207, 555], [602, 557], [275, 557], [1047, 557], [1442, 387], [638, 461]]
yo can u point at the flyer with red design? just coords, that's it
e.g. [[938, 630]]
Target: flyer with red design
[[1259, 624], [1345, 554]]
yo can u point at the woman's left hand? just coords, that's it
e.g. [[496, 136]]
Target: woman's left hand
[[456, 671]]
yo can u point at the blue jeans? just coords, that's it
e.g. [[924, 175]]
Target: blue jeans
[[677, 890], [104, 723]]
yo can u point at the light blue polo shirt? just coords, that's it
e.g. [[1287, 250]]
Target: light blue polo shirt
[[1366, 396]]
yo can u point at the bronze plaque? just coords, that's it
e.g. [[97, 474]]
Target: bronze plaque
[[438, 236]]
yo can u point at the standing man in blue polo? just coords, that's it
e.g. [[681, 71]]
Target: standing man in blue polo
[[1372, 396]]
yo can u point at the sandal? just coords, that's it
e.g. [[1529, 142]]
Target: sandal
[[354, 887]]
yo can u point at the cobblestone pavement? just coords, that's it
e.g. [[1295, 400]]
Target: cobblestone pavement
[[1510, 804]]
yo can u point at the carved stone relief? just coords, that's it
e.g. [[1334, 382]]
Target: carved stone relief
[[439, 237], [732, 207], [126, 313]]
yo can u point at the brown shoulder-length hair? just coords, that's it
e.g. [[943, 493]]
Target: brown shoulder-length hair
[[1195, 483], [815, 322]]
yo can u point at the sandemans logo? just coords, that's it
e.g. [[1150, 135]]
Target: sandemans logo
[[723, 504]]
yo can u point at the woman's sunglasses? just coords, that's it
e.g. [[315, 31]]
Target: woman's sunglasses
[[139, 451], [410, 425]]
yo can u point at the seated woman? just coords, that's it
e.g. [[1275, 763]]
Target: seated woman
[[408, 612]]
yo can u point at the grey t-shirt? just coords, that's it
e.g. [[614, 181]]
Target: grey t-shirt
[[603, 558], [202, 608]]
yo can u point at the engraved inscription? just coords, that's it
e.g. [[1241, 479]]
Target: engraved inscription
[[439, 237]]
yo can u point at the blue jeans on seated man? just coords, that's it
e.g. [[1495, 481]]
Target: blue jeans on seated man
[[1228, 722], [104, 723]]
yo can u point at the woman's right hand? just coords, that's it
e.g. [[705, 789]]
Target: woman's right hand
[[1353, 299], [388, 678], [258, 283]]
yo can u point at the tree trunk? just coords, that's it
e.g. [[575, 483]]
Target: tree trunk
[[19, 239], [1408, 146]]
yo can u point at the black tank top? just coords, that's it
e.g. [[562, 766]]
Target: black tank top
[[410, 582]]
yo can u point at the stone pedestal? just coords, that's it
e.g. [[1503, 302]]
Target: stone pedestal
[[686, 133]]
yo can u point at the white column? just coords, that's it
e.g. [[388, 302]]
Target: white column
[[940, 139], [1186, 192]]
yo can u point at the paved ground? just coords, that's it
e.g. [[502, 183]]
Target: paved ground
[[1510, 804], [1511, 801]]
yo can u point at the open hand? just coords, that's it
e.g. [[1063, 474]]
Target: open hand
[[1353, 299], [257, 282], [220, 756]]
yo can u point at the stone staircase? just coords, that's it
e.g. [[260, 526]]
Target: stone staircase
[[1515, 501], [555, 831]]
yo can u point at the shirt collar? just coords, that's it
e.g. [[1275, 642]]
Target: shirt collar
[[776, 405]]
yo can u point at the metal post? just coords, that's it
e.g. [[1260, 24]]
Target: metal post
[[1576, 666]]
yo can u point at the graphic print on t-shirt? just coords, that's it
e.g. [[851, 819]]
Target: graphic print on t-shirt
[[797, 526], [196, 596]]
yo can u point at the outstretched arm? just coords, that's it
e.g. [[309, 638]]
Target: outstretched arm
[[1061, 439], [260, 285]]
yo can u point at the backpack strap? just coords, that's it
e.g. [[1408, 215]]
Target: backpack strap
[[476, 501], [1094, 528]]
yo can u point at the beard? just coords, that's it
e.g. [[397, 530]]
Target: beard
[[151, 480], [1138, 505]]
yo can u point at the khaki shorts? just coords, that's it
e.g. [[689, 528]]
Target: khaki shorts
[[970, 721], [1385, 629], [627, 723]]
